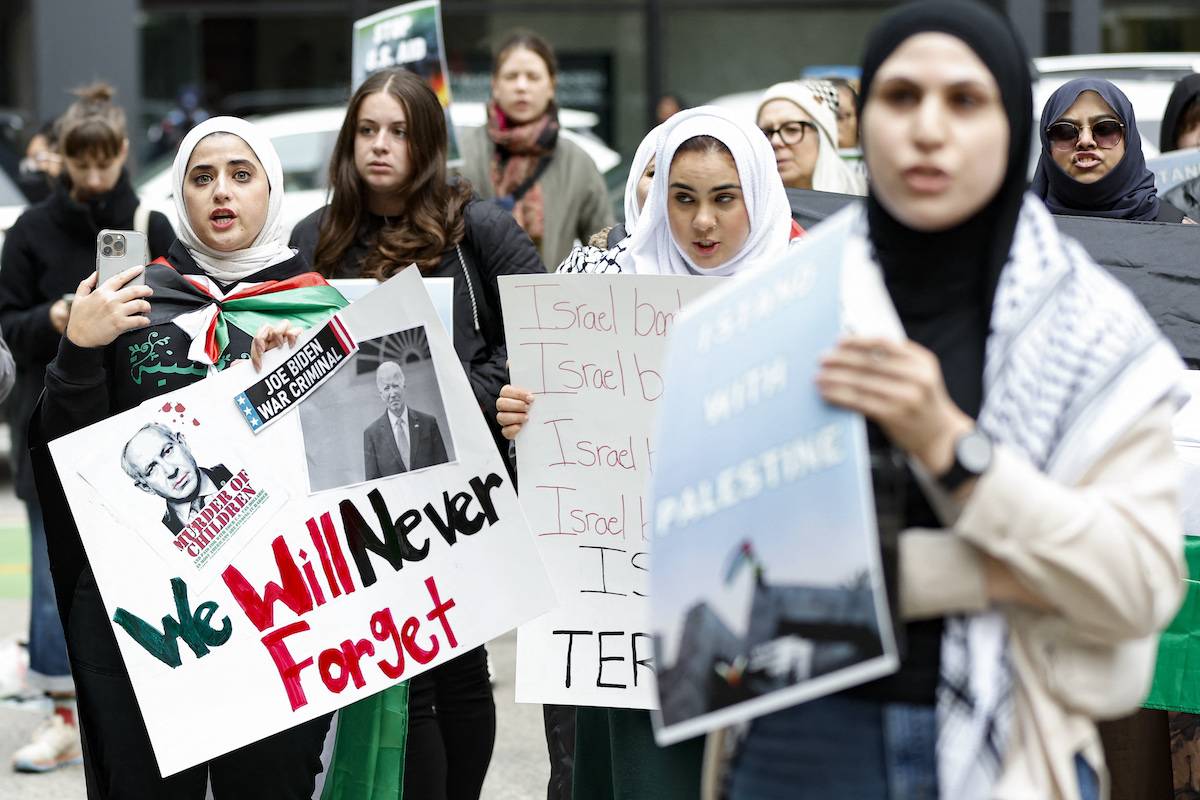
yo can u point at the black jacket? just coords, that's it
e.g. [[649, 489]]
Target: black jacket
[[493, 245], [48, 251], [87, 385], [84, 386]]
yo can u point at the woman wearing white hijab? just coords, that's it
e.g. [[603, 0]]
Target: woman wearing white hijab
[[718, 208], [121, 347], [722, 143], [802, 128], [202, 239]]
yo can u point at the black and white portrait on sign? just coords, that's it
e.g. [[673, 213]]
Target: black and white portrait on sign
[[381, 416], [160, 461]]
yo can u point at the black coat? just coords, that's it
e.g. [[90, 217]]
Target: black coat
[[493, 245], [85, 386], [48, 251]]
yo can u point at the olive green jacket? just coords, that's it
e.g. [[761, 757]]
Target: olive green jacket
[[575, 197]]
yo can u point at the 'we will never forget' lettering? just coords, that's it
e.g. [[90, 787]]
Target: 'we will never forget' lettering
[[343, 560]]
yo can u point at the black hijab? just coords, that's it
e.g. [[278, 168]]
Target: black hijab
[[1126, 192], [1186, 92], [943, 283]]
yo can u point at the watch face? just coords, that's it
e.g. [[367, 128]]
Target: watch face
[[975, 453]]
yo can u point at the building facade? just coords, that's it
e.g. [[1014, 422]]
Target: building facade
[[618, 56]]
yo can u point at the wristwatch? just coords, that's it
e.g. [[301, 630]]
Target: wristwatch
[[972, 457]]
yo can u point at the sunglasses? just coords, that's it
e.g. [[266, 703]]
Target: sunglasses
[[1107, 134], [789, 132]]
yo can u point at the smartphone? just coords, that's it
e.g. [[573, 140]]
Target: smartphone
[[117, 251]]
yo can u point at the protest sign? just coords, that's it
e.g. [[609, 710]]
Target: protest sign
[[767, 588], [590, 349], [441, 293], [335, 595], [408, 36], [1174, 168], [298, 376]]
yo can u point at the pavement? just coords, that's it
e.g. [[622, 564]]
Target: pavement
[[519, 768]]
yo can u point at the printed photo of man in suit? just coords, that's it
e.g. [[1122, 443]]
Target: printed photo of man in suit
[[160, 462], [403, 438]]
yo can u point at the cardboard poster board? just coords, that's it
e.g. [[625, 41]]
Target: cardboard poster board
[[338, 592], [590, 347], [408, 36], [767, 588]]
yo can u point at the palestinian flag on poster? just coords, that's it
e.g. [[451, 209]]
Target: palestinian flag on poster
[[209, 316]]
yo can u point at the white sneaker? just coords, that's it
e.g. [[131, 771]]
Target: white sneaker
[[55, 744]]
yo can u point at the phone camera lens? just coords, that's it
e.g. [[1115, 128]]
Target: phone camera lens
[[119, 247], [107, 239], [106, 251]]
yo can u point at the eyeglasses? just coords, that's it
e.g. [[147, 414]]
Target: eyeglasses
[[789, 132], [1107, 133]]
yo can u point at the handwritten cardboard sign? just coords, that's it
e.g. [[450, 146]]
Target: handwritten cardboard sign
[[590, 348], [335, 595], [314, 361], [767, 588]]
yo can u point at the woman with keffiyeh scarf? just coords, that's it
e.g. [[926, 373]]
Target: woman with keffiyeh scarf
[[229, 288], [1022, 400], [550, 185]]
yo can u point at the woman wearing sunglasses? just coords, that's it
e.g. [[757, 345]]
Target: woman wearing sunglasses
[[1092, 163], [802, 129]]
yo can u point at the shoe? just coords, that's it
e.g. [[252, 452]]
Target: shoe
[[55, 744]]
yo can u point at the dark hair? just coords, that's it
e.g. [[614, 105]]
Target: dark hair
[[526, 40], [92, 125], [1189, 119], [702, 144], [432, 220]]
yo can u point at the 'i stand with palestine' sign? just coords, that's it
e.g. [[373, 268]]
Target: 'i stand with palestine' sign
[[408, 36]]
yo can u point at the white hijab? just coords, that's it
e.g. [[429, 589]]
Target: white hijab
[[269, 247], [831, 173], [643, 156], [652, 249]]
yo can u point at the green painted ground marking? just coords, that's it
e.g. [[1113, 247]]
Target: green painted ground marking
[[14, 561]]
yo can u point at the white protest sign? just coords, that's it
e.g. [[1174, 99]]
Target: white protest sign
[[441, 292], [338, 594], [590, 348]]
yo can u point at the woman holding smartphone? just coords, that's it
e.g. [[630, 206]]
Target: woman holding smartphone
[[50, 248], [228, 196]]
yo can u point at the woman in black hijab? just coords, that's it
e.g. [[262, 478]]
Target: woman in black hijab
[[967, 260], [1091, 163], [1180, 129]]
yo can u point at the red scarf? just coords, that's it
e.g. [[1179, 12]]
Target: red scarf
[[518, 151]]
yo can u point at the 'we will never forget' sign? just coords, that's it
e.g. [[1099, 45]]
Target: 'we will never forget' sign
[[317, 599]]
